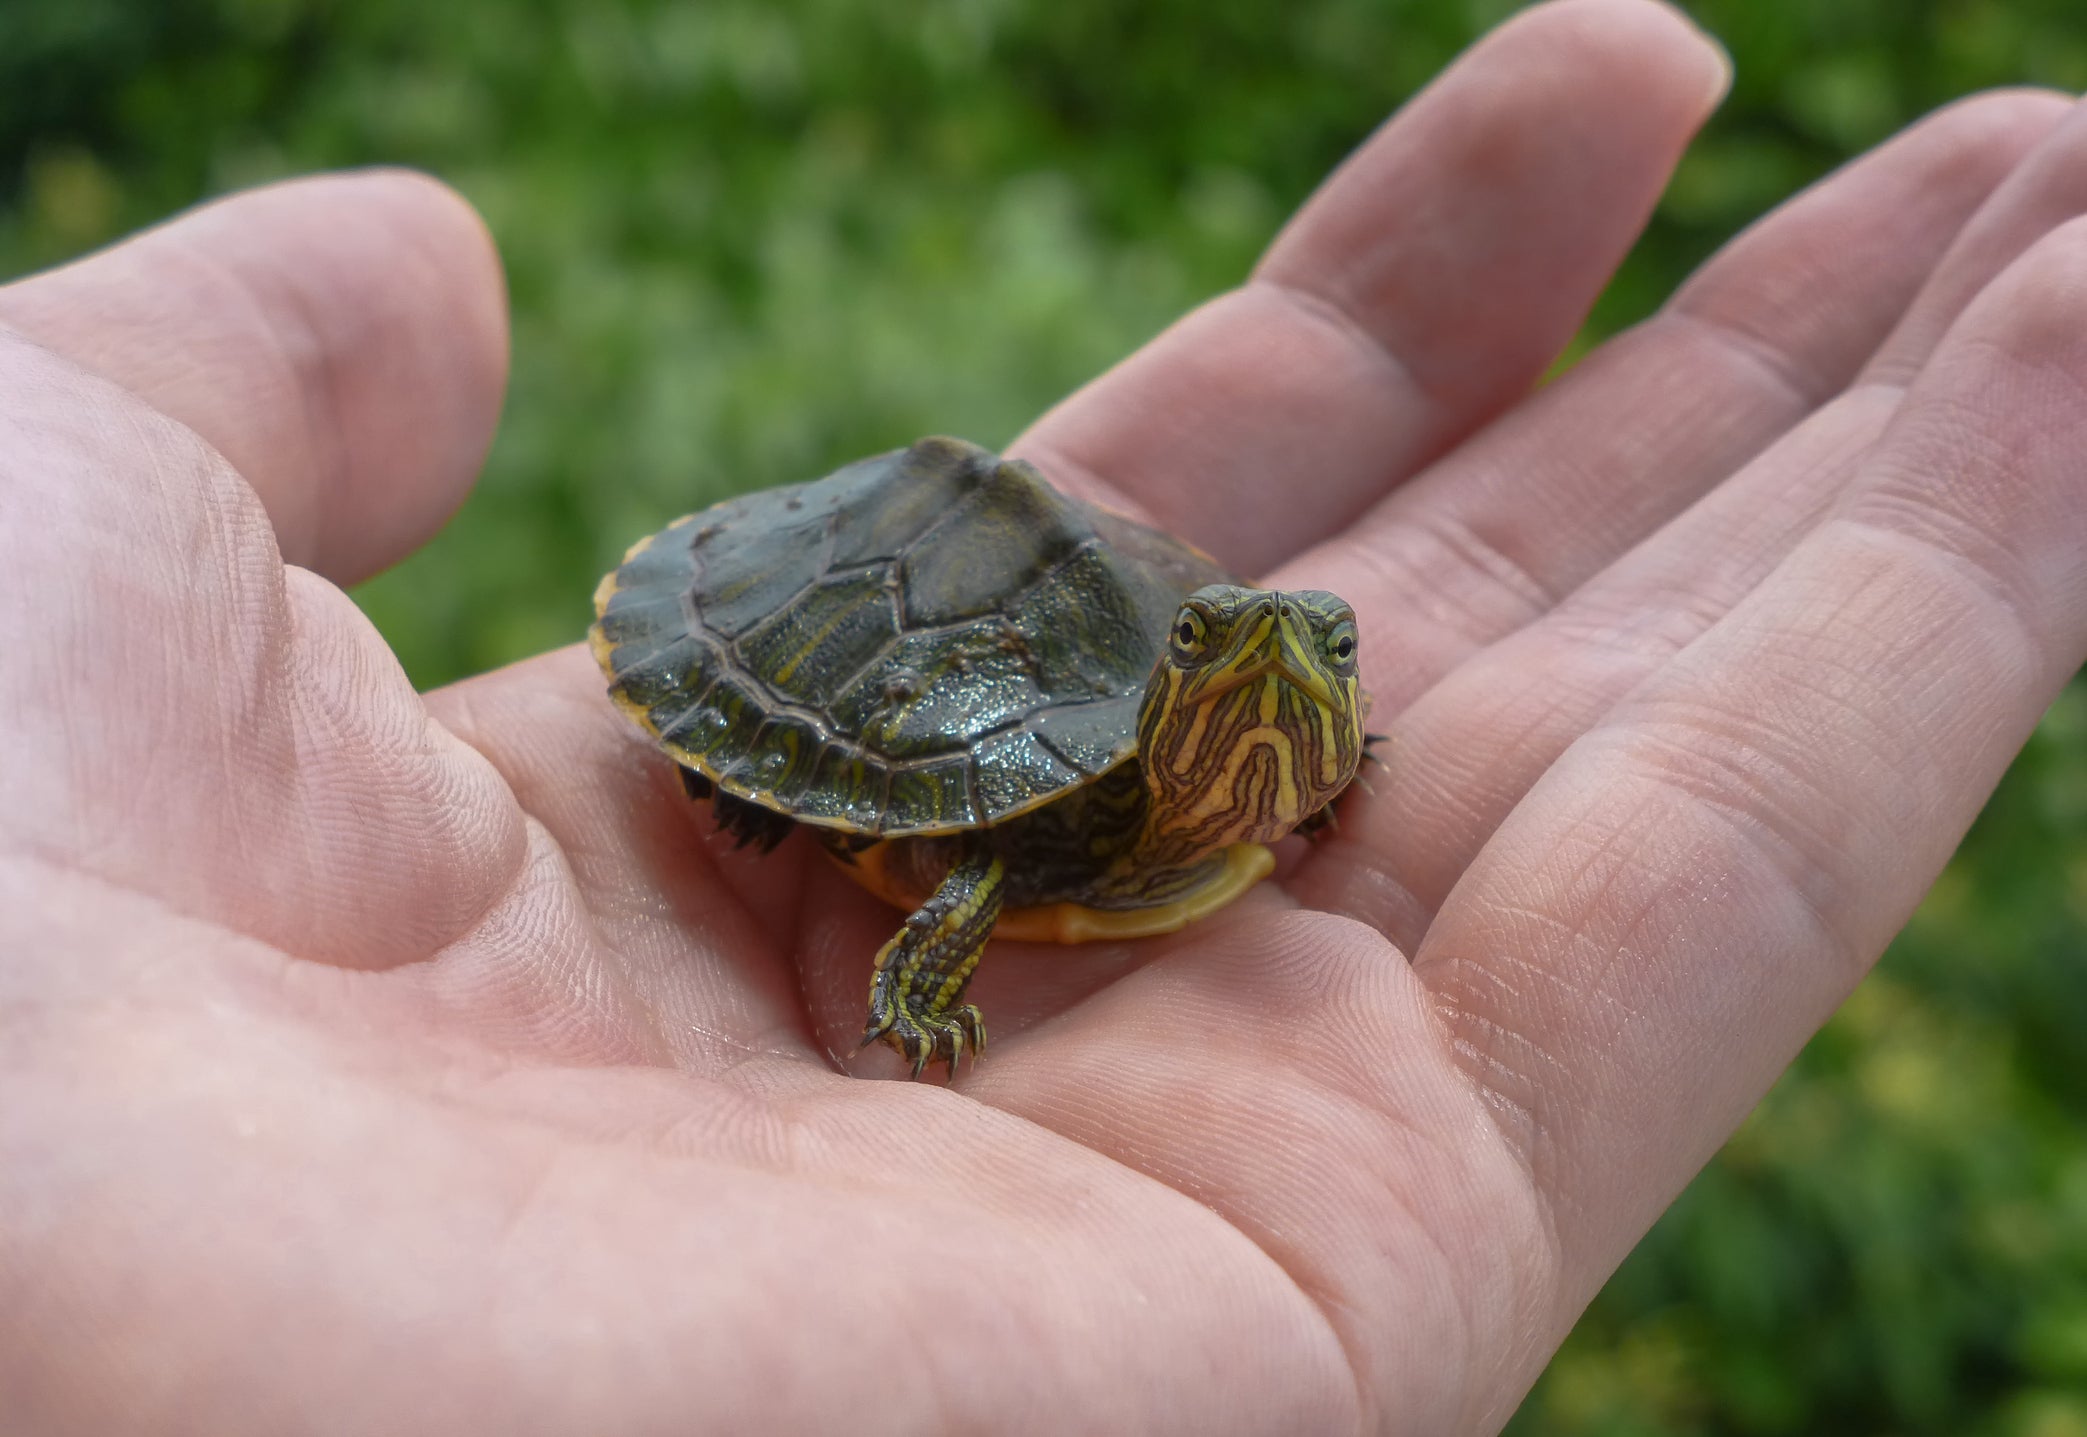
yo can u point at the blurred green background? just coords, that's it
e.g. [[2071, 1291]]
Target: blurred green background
[[748, 241]]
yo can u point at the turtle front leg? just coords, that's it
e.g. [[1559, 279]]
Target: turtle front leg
[[922, 971]]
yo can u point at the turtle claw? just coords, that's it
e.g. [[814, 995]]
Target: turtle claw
[[920, 1035], [964, 1025]]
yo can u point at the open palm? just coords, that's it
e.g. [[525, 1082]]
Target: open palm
[[378, 1061]]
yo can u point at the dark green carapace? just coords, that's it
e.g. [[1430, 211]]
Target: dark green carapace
[[945, 667], [922, 642]]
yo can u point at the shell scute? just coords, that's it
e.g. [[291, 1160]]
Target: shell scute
[[882, 504], [936, 692], [1088, 737], [721, 726], [744, 572], [846, 790], [823, 637], [1083, 608], [642, 623], [1015, 771], [1006, 535], [781, 760], [661, 564], [666, 679], [938, 791]]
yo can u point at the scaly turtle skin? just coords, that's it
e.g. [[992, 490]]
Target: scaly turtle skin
[[1000, 708]]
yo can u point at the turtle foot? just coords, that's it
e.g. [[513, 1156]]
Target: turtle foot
[[924, 1038], [915, 997]]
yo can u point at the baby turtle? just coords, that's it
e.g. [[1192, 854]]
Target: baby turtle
[[1003, 710]]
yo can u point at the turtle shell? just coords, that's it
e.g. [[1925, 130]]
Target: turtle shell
[[922, 642]]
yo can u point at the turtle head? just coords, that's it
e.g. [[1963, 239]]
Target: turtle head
[[1253, 718]]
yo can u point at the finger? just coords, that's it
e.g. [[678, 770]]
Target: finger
[[1473, 745], [2045, 191], [1780, 320], [341, 340], [1690, 891], [1426, 286], [194, 721]]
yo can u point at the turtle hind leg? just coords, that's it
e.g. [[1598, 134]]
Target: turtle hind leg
[[746, 821], [921, 973]]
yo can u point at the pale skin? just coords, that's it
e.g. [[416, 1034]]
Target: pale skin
[[384, 1061]]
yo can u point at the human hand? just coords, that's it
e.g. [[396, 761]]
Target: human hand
[[383, 1062]]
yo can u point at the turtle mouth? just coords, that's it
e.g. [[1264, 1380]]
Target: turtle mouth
[[1303, 678]]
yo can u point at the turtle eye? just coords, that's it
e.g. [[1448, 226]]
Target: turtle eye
[[1190, 633], [1340, 647]]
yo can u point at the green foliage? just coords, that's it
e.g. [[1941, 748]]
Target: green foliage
[[749, 239]]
